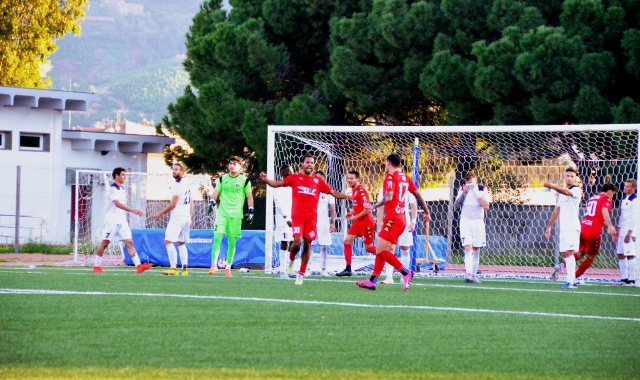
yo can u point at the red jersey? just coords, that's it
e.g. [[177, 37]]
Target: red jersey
[[593, 220], [305, 191], [400, 184], [359, 196]]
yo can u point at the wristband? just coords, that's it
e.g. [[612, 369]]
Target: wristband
[[413, 221]]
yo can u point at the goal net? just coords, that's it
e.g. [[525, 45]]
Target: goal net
[[513, 162], [147, 192]]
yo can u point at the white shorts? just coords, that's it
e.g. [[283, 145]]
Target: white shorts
[[627, 249], [283, 233], [473, 232], [406, 239], [569, 241], [178, 229], [116, 232], [324, 237]]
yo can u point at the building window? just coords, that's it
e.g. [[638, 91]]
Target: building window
[[34, 141], [5, 140]]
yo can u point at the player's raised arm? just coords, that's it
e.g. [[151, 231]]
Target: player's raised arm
[[558, 189], [270, 182]]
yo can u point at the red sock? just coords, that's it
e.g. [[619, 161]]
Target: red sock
[[348, 253], [391, 259], [303, 269], [584, 266], [378, 265], [371, 249]]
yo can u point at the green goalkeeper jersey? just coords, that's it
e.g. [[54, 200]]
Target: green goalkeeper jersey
[[233, 192]]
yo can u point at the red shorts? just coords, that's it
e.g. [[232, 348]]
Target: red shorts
[[364, 228], [392, 228], [589, 244], [305, 226]]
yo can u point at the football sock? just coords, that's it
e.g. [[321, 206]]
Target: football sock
[[374, 279], [136, 259], [391, 259], [378, 265], [583, 267], [468, 262], [632, 269], [283, 260], [371, 249], [348, 253], [231, 250], [476, 262], [173, 255], [303, 269], [348, 267], [98, 261], [405, 258], [622, 264], [215, 250], [571, 269], [388, 269], [323, 252], [184, 256]]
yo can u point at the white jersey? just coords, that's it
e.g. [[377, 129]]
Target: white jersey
[[628, 213], [183, 208], [114, 214], [570, 209], [323, 209], [471, 208], [282, 199]]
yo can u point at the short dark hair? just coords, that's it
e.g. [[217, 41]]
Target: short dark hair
[[470, 174], [608, 187], [394, 159], [236, 159], [117, 171], [320, 172], [285, 167], [308, 155], [571, 169], [355, 173]]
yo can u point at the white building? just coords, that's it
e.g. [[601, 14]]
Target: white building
[[32, 138]]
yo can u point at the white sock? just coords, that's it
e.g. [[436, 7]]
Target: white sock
[[173, 255], [476, 261], [284, 258], [571, 268], [323, 253], [622, 264], [136, 259], [184, 256], [388, 270], [405, 258], [468, 261], [98, 260], [631, 267]]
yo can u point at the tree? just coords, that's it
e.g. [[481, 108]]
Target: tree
[[28, 34]]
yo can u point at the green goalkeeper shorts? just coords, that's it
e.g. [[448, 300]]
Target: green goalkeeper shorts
[[232, 227]]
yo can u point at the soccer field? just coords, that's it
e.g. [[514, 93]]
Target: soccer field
[[69, 322]]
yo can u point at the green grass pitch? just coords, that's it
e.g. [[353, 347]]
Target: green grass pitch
[[71, 323]]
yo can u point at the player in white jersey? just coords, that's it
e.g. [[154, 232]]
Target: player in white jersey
[[625, 248], [474, 200], [116, 227], [326, 223], [282, 199], [181, 208], [405, 241], [567, 210]]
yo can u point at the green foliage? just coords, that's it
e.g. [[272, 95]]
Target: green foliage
[[28, 34], [34, 246]]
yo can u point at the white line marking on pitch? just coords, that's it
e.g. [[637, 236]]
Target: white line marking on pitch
[[324, 303]]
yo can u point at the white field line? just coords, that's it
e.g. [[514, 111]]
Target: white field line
[[323, 303], [131, 272]]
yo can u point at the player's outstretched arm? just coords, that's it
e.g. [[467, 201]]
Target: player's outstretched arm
[[552, 221], [270, 182], [558, 189], [338, 195], [386, 198], [171, 206], [127, 208], [423, 205]]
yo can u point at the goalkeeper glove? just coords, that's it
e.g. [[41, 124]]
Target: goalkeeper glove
[[212, 204], [249, 216]]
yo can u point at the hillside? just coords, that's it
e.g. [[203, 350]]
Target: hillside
[[133, 60]]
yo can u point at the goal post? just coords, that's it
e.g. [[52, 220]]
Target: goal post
[[512, 161]]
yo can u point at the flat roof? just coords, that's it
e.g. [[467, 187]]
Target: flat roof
[[46, 99]]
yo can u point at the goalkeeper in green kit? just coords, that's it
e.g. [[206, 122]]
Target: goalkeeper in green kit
[[232, 188]]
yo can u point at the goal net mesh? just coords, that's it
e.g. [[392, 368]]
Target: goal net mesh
[[147, 192], [513, 165]]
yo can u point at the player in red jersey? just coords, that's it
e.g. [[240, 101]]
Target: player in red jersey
[[362, 225], [396, 186], [305, 188]]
